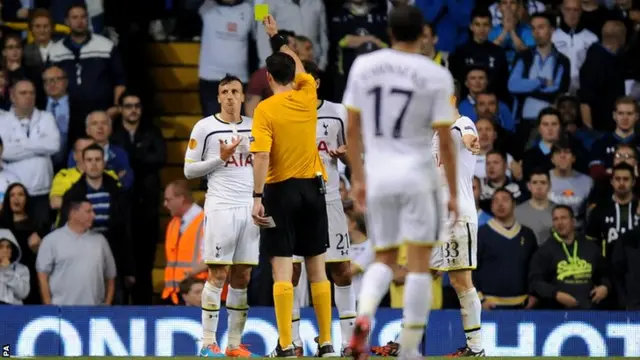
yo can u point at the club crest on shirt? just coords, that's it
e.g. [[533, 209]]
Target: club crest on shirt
[[251, 139], [192, 144]]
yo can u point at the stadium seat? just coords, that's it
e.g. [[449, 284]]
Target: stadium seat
[[180, 54], [175, 78]]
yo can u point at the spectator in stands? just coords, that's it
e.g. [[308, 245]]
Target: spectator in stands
[[594, 15], [191, 291], [5, 100], [449, 20], [304, 47], [483, 216], [536, 213], [497, 178], [487, 106], [569, 108], [112, 209], [503, 243], [568, 271], [573, 40], [479, 51], [183, 240], [602, 78], [613, 217], [626, 270], [475, 83], [99, 127], [511, 34], [622, 11], [539, 75], [603, 189], [529, 7], [487, 137], [344, 188], [12, 57], [357, 28], [258, 88], [66, 178], [568, 186], [30, 137], [14, 277], [36, 54], [6, 177], [429, 47], [75, 265], [17, 217], [147, 151], [93, 65], [55, 87], [625, 116], [226, 29], [302, 17], [539, 156]]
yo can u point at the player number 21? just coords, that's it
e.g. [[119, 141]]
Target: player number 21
[[377, 94]]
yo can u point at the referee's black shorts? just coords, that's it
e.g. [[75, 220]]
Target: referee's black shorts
[[299, 211]]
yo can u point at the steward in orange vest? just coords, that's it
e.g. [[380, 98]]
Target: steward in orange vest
[[182, 253]]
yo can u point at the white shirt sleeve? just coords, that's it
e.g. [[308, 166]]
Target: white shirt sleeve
[[194, 164], [443, 105], [352, 94]]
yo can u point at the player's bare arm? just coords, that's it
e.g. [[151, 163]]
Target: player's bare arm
[[448, 159], [271, 28], [354, 156]]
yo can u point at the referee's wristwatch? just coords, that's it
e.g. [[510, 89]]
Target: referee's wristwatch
[[257, 195]]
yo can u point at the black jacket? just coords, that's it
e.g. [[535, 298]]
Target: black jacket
[[626, 269], [119, 233], [551, 271]]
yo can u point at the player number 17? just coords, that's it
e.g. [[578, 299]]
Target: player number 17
[[377, 94]]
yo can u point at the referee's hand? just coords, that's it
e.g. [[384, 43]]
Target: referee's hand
[[270, 25], [258, 213]]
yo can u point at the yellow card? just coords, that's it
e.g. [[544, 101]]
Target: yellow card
[[261, 11]]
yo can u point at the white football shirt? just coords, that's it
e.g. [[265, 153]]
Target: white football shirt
[[400, 97], [465, 167], [329, 136], [230, 184]]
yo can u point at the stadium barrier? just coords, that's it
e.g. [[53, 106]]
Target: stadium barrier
[[169, 331]]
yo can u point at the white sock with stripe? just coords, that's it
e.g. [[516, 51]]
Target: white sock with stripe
[[210, 313], [417, 305], [471, 308], [345, 299], [237, 307]]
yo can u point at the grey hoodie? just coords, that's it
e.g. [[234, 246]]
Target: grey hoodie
[[14, 279]]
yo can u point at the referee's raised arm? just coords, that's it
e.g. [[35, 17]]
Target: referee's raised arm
[[289, 188]]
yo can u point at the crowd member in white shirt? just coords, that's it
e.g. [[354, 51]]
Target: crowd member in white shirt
[[226, 28], [6, 177], [30, 137], [573, 40]]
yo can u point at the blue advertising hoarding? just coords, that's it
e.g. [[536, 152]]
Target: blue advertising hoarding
[[168, 331]]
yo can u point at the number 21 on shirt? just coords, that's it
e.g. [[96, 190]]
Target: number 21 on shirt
[[378, 93]]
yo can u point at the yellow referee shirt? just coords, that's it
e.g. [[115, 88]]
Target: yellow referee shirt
[[284, 125]]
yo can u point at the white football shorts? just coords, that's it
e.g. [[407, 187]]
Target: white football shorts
[[458, 249], [231, 237]]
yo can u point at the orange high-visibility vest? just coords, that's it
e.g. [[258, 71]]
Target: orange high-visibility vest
[[183, 253]]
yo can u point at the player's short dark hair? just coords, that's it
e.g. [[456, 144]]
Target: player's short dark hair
[[228, 79], [502, 155], [457, 91], [282, 68], [503, 189], [549, 111], [311, 68], [286, 34], [303, 38], [564, 207], [540, 171], [545, 16], [623, 166], [481, 12], [427, 25], [406, 23], [92, 147]]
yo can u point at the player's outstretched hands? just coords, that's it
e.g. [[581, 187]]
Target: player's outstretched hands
[[339, 152], [359, 194], [226, 150], [270, 25], [475, 146], [452, 206]]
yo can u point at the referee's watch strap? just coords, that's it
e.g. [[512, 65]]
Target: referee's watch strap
[[277, 41], [257, 195]]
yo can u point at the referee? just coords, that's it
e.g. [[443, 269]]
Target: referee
[[283, 141]]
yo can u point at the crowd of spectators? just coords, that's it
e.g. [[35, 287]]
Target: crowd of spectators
[[553, 88]]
